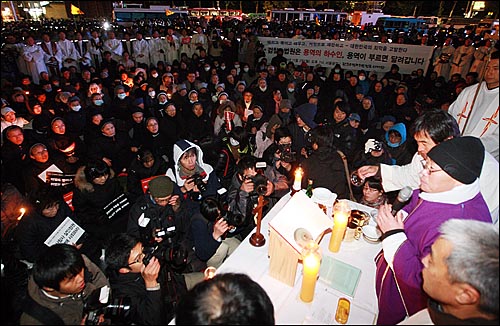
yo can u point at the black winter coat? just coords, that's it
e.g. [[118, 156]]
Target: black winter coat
[[145, 306], [326, 168], [89, 201]]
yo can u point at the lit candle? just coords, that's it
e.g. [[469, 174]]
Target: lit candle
[[209, 272], [22, 210], [341, 213], [297, 182], [311, 259]]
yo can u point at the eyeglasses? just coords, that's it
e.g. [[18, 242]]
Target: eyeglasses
[[430, 169], [138, 259]]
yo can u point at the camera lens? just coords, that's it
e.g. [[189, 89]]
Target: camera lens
[[356, 180]]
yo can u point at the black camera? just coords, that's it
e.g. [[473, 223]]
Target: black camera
[[116, 311], [286, 153], [174, 255], [259, 183], [233, 219], [309, 143], [198, 181], [165, 232]]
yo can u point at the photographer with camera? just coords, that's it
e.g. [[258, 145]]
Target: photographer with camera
[[250, 181], [280, 154], [215, 232], [374, 152], [60, 283], [234, 146], [162, 223], [193, 179], [130, 277]]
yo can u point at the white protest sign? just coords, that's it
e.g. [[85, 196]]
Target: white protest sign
[[67, 232], [351, 55]]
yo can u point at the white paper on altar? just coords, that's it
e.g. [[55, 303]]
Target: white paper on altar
[[300, 212], [52, 168], [67, 232]]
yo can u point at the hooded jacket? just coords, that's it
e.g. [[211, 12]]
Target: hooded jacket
[[400, 152], [205, 171]]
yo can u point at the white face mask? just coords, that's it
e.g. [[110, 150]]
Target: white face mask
[[236, 66], [291, 90], [152, 93], [233, 141], [121, 96], [76, 108], [154, 75], [223, 67], [362, 77], [162, 103], [207, 68], [246, 69]]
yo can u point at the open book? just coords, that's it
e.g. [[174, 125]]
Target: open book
[[300, 212]]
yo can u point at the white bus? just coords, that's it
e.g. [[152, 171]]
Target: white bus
[[126, 16], [287, 14]]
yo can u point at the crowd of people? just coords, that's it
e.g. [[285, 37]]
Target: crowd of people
[[158, 140]]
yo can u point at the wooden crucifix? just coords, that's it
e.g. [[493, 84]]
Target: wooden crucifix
[[257, 239]]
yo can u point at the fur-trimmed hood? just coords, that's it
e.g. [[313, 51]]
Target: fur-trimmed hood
[[180, 147], [81, 182]]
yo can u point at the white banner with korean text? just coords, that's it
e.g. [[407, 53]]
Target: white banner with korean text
[[351, 55]]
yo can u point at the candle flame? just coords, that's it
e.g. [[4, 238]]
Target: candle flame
[[210, 272], [22, 210]]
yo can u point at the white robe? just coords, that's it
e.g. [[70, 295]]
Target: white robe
[[440, 67], [199, 40], [84, 58], [57, 55], [95, 51], [69, 53], [141, 51], [462, 59], [185, 45], [480, 56], [33, 56], [483, 122], [155, 45], [172, 48], [115, 47]]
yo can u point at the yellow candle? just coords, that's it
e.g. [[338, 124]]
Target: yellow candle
[[311, 262], [341, 213], [297, 182]]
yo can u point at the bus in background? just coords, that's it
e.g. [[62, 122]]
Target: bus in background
[[432, 21], [256, 15], [291, 14], [402, 24], [364, 18], [488, 25], [130, 13], [209, 13]]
